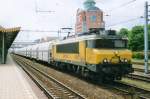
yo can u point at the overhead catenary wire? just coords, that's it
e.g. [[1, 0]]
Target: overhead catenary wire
[[122, 5], [41, 11], [123, 22], [28, 30]]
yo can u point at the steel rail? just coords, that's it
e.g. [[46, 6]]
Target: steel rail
[[132, 89], [46, 92], [139, 77], [57, 82]]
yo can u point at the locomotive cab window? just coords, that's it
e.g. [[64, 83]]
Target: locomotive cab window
[[107, 43]]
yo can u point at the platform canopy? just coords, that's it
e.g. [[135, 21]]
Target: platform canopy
[[7, 37]]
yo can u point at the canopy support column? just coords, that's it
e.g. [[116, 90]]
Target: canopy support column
[[3, 48]]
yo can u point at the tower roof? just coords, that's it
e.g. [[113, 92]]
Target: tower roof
[[89, 1], [90, 5]]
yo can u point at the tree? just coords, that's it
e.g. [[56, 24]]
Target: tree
[[136, 38], [124, 32]]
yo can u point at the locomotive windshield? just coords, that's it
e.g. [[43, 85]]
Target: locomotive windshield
[[107, 43]]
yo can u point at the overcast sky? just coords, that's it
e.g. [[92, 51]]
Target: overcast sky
[[23, 13]]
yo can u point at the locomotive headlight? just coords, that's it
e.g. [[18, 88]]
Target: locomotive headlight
[[125, 60], [106, 61], [122, 60]]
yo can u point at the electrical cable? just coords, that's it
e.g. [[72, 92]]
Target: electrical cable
[[122, 22], [122, 5], [43, 31]]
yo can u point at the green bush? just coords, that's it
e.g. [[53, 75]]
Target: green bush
[[139, 55]]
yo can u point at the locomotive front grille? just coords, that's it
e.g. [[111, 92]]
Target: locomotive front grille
[[114, 69]]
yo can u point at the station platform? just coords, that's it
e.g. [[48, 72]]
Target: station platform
[[16, 84]]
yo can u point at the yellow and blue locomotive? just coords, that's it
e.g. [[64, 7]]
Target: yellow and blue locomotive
[[96, 56]]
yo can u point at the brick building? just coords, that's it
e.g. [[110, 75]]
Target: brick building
[[90, 17]]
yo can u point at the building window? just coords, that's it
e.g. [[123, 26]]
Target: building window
[[93, 18], [79, 18]]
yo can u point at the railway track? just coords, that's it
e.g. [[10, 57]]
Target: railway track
[[134, 91], [129, 90], [139, 63], [139, 77], [55, 89], [140, 70], [38, 83]]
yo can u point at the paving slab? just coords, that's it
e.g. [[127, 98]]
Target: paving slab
[[15, 84]]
